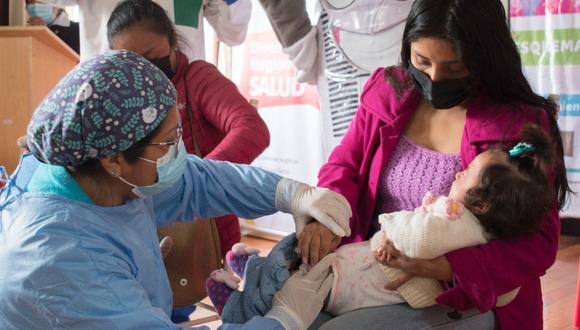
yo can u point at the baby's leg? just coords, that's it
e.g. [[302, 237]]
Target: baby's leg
[[220, 286], [222, 283], [238, 256], [264, 276]]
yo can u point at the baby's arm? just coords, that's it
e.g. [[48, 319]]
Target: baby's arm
[[428, 233]]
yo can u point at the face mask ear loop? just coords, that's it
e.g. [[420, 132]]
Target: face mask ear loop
[[148, 160]]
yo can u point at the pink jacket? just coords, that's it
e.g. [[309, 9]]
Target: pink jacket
[[481, 273], [225, 125]]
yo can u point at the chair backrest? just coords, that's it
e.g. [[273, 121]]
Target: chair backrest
[[195, 254]]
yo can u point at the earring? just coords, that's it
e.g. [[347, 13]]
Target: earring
[[114, 174]]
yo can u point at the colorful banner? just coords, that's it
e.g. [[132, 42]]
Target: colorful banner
[[548, 37], [291, 110]]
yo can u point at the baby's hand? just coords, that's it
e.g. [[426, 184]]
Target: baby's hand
[[381, 253]]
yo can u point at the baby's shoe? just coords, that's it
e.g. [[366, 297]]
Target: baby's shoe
[[238, 256], [220, 286]]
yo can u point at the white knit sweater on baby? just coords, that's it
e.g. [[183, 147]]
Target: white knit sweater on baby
[[439, 226]]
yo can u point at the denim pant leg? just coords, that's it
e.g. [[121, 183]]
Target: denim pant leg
[[402, 316]]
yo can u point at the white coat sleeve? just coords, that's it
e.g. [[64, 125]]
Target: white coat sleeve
[[230, 21], [111, 297], [211, 188], [304, 55]]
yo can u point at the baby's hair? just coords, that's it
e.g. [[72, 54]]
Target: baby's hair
[[514, 192]]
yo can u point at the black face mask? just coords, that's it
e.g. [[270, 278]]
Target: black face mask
[[442, 94], [164, 65]]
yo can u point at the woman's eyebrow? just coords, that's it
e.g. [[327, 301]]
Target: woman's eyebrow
[[444, 62]]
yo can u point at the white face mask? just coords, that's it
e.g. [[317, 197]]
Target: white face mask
[[170, 169], [368, 32]]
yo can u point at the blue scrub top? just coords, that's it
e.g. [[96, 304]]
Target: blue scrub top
[[67, 263]]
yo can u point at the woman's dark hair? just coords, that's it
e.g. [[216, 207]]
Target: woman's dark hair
[[479, 31], [92, 167], [513, 196], [146, 12]]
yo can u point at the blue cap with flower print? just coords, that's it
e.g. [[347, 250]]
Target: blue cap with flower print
[[102, 107]]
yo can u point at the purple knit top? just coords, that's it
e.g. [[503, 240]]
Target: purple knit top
[[412, 171]]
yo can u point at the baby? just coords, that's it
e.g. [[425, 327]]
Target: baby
[[499, 196]]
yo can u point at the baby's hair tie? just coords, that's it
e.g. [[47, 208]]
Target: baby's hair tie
[[521, 149]]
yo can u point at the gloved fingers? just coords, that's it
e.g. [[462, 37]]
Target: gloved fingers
[[321, 269], [340, 213], [325, 287], [329, 222], [340, 200], [336, 211], [343, 202]]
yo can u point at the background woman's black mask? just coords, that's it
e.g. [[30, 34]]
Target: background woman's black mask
[[164, 64], [442, 94]]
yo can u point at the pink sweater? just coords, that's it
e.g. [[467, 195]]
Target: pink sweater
[[225, 125], [413, 170], [483, 272]]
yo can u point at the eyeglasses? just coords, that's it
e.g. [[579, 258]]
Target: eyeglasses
[[178, 135]]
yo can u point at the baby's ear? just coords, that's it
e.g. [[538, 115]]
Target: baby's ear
[[480, 208]]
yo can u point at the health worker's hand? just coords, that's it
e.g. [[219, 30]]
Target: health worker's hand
[[300, 300], [307, 203]]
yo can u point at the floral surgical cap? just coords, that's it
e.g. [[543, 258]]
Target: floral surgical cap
[[102, 107]]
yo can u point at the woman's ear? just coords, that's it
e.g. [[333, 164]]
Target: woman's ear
[[113, 165]]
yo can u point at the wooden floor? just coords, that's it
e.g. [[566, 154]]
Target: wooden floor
[[558, 285]]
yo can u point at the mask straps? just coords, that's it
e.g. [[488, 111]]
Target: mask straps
[[148, 160]]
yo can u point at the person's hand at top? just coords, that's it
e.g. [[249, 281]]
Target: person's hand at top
[[315, 242], [307, 204]]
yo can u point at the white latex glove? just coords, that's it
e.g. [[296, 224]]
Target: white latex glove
[[301, 299], [308, 203]]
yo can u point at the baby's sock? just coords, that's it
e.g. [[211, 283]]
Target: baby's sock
[[218, 294], [238, 256], [220, 286]]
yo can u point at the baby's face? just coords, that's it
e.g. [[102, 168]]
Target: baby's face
[[470, 177]]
